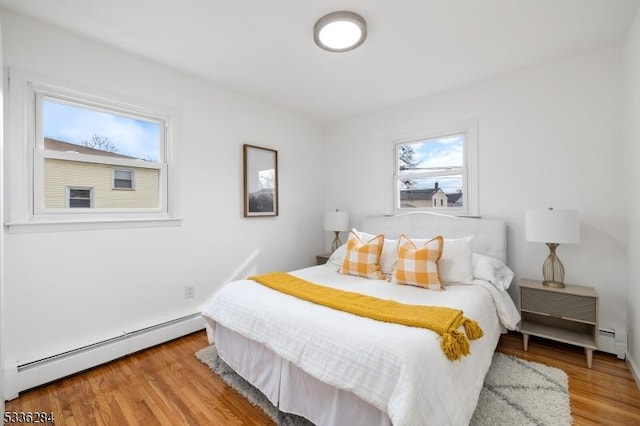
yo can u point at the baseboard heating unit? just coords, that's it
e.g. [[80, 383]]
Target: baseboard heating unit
[[35, 373], [613, 342]]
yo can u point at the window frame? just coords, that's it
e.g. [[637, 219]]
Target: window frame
[[70, 188], [116, 169], [40, 94], [468, 171], [27, 155]]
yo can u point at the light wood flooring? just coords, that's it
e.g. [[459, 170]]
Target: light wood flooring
[[167, 385]]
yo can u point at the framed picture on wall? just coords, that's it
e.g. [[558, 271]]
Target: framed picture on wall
[[260, 181]]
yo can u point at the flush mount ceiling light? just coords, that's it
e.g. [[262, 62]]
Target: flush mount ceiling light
[[340, 31]]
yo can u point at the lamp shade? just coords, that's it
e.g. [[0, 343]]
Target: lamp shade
[[336, 221], [552, 226]]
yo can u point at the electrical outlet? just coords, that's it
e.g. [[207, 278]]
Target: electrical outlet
[[189, 291]]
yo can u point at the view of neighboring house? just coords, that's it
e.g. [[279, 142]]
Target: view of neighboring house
[[429, 197], [95, 181]]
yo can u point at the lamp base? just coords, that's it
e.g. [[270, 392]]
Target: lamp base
[[336, 242], [554, 284], [552, 269]]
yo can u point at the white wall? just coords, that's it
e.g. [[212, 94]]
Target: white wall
[[548, 136], [68, 289], [632, 152], [2, 393]]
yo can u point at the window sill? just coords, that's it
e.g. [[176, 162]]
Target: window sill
[[451, 211], [49, 225]]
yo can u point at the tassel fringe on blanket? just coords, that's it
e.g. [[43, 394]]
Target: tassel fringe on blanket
[[444, 321]]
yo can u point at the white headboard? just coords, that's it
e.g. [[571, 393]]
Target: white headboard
[[490, 235]]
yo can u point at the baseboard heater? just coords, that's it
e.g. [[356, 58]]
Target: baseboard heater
[[613, 341], [38, 372]]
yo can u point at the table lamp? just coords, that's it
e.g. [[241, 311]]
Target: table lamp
[[553, 227], [337, 222]]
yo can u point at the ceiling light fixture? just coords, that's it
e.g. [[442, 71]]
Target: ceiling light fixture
[[340, 31]]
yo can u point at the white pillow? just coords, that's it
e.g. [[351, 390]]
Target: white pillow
[[389, 255], [337, 257], [492, 270], [455, 262]]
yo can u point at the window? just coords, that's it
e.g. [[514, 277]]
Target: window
[[79, 145], [437, 171], [88, 158], [79, 197], [122, 179]]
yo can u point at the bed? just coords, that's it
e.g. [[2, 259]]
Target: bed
[[335, 368]]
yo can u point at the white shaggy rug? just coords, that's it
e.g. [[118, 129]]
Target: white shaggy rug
[[515, 392]]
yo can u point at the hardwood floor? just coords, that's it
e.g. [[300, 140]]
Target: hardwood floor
[[167, 385], [607, 394]]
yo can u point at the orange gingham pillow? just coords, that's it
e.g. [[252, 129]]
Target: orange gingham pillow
[[418, 266], [363, 259]]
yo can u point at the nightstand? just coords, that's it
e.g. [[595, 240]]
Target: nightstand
[[568, 315], [321, 259]]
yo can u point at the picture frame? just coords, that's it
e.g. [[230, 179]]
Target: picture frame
[[260, 181]]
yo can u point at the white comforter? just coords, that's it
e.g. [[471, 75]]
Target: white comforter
[[400, 370]]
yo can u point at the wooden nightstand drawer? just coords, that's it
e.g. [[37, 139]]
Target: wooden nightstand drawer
[[567, 306]]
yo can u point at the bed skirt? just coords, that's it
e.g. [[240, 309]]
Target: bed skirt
[[290, 388]]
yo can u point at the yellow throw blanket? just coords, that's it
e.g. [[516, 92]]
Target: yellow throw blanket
[[444, 321]]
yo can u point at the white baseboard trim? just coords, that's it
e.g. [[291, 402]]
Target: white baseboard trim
[[635, 371], [47, 370]]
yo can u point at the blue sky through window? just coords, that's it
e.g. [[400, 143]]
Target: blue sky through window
[[437, 154], [73, 124], [442, 152]]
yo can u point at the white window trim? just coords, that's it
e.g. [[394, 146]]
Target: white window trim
[[26, 212], [470, 175], [122, 169], [68, 195]]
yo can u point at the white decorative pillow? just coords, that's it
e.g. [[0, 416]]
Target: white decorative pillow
[[389, 252], [455, 262], [492, 270], [337, 257]]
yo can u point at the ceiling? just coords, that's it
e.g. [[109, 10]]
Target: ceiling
[[414, 48]]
